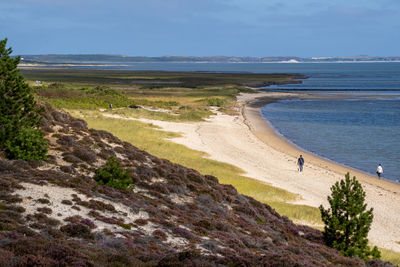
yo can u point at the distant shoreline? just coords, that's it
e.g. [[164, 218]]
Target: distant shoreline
[[125, 64]]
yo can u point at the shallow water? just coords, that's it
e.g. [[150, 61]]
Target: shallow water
[[357, 133]]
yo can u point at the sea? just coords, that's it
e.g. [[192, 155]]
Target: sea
[[360, 129]]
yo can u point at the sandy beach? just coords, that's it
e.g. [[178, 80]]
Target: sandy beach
[[248, 142]]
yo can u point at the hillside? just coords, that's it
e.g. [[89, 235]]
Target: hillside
[[54, 214]]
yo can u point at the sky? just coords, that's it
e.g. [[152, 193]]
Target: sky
[[303, 28]]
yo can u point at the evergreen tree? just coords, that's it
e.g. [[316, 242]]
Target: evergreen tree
[[18, 111], [113, 175], [347, 221]]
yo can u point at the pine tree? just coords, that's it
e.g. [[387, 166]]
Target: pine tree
[[18, 112], [347, 221]]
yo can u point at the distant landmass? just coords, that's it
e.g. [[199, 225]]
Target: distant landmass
[[104, 59]]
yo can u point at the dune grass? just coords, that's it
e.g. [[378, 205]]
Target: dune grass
[[390, 256], [177, 115], [149, 138]]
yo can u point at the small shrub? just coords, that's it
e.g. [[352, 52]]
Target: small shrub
[[160, 235], [45, 210], [66, 202], [77, 230], [141, 221], [125, 226], [65, 140], [27, 144], [184, 233], [206, 224], [73, 219], [96, 205], [67, 169], [113, 175], [43, 219], [85, 155], [89, 223], [71, 158], [43, 201]]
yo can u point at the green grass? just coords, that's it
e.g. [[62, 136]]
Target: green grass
[[390, 256], [149, 138]]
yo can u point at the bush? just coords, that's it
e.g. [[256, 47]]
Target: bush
[[113, 175], [347, 221], [77, 230], [27, 144]]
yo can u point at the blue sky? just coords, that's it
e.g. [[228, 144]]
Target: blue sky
[[203, 27]]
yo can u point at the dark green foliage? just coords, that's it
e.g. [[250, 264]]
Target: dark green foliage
[[113, 175], [27, 144], [20, 135], [347, 221]]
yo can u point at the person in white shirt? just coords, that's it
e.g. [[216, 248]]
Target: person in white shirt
[[379, 170]]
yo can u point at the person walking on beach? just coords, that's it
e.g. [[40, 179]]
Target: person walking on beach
[[300, 162], [379, 170]]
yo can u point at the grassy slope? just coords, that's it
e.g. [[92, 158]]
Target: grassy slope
[[148, 138]]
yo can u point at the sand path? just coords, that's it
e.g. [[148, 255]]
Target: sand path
[[246, 141]]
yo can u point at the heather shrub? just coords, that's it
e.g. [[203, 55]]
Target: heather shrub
[[73, 219], [113, 175], [96, 205], [65, 140], [77, 230], [67, 169], [160, 235], [43, 201], [45, 210], [184, 233], [71, 158], [66, 202], [89, 223], [141, 221], [85, 155], [206, 224]]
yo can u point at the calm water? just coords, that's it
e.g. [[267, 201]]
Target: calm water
[[356, 132]]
